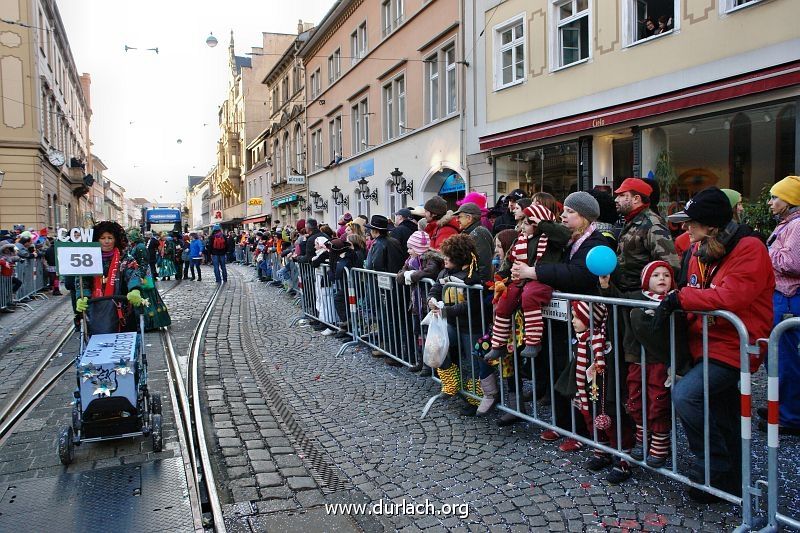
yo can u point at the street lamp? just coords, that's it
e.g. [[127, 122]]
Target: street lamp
[[319, 204], [339, 198], [363, 190], [401, 186]]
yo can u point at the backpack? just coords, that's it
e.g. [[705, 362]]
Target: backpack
[[218, 242]]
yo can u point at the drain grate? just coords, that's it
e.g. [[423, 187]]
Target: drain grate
[[320, 467]]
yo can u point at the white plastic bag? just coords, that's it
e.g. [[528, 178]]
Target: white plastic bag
[[437, 342]]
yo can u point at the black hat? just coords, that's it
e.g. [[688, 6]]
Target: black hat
[[710, 207], [378, 222], [516, 194], [404, 212]]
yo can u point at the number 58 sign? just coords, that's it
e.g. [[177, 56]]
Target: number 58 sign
[[79, 259]]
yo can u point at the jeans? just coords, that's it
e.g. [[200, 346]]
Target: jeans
[[724, 426], [788, 361], [195, 264], [219, 264]]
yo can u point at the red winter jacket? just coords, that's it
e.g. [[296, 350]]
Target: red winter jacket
[[743, 285], [439, 230]]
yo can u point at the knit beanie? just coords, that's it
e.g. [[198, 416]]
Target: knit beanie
[[599, 311], [474, 197], [419, 242], [734, 197], [584, 204], [649, 268], [539, 211], [788, 190], [436, 205], [301, 225]]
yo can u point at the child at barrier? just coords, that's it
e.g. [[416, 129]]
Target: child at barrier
[[422, 263], [8, 283], [324, 292], [463, 308], [657, 280], [342, 258], [541, 240]]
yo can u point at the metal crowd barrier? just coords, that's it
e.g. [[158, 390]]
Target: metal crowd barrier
[[774, 518], [33, 275], [6, 292], [382, 316]]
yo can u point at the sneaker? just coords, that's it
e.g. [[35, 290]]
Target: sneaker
[[329, 331], [571, 445], [303, 322], [549, 435], [596, 462], [619, 474]]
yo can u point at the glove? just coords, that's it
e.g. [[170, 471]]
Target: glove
[[81, 304], [668, 305], [499, 291], [407, 276], [135, 298]]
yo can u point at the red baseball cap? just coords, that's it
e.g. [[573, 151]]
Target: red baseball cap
[[635, 185]]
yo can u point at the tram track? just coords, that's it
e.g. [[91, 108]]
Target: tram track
[[190, 426]]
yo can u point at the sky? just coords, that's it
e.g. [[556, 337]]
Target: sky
[[143, 103]]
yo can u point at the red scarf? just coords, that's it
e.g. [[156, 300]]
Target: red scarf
[[653, 296], [630, 216], [110, 281]]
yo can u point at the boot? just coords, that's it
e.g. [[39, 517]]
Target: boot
[[494, 354], [426, 371], [659, 450], [508, 419], [530, 351], [449, 377], [489, 401]]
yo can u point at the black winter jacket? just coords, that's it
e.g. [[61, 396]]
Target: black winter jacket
[[403, 232], [572, 275]]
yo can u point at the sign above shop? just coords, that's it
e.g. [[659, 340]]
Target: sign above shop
[[364, 169], [296, 179], [255, 201], [284, 200], [453, 183]]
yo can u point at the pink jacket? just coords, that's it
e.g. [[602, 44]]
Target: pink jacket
[[784, 244]]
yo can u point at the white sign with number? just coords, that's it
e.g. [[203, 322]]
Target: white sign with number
[[79, 259]]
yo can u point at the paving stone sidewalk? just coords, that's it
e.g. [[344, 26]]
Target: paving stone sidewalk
[[365, 416]]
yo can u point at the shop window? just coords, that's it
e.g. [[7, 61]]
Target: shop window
[[552, 169], [785, 139], [509, 45], [572, 31], [745, 150], [648, 19]]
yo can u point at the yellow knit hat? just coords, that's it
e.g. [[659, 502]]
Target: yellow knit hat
[[788, 190]]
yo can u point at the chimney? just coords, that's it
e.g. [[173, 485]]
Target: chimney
[[300, 26]]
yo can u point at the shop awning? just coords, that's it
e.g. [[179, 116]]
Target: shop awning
[[284, 200], [255, 219], [717, 91]]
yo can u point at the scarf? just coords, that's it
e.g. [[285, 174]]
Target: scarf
[[575, 245], [630, 216], [589, 341], [653, 296], [105, 285]]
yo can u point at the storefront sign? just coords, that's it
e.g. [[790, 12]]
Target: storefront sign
[[296, 179], [255, 201], [363, 169], [453, 183], [284, 200], [218, 215]]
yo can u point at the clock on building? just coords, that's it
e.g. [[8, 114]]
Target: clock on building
[[56, 157]]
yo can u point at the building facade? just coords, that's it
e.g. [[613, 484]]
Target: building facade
[[383, 101], [571, 94], [277, 157], [241, 116], [44, 140], [197, 202]]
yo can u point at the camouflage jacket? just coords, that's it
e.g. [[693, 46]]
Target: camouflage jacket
[[642, 240]]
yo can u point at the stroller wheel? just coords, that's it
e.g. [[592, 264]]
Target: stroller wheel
[[156, 434], [77, 422], [66, 448], [155, 403]]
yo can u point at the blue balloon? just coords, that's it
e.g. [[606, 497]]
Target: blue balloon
[[601, 260]]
